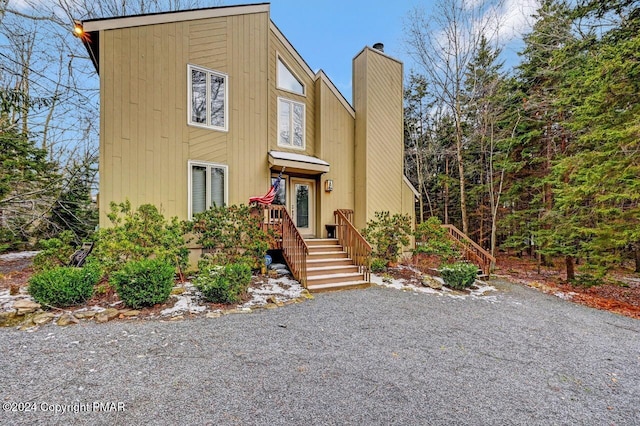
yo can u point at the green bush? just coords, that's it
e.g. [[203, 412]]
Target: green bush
[[378, 265], [231, 235], [55, 252], [432, 239], [144, 282], [459, 275], [64, 286], [387, 234], [137, 235], [223, 284]]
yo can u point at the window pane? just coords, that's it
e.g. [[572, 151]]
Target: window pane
[[302, 206], [284, 124], [198, 189], [298, 125], [217, 187], [217, 100], [281, 195], [198, 96], [287, 81]]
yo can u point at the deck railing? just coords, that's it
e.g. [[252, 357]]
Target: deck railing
[[357, 248], [287, 238], [471, 251]]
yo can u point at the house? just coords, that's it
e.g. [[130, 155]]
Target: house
[[206, 107]]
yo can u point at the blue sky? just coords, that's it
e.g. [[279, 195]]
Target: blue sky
[[329, 33]]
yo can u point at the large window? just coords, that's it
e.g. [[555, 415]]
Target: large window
[[207, 186], [287, 80], [291, 123], [207, 98]]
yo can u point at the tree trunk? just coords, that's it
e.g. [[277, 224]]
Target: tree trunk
[[637, 253], [571, 273]]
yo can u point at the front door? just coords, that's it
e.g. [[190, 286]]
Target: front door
[[303, 205]]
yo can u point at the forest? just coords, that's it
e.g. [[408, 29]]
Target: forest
[[541, 159]]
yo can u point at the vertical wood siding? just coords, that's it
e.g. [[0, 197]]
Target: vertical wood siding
[[145, 139]]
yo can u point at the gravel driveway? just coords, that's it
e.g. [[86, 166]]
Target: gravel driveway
[[362, 357]]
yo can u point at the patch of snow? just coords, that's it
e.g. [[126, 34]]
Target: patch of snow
[[18, 255], [565, 296], [282, 289]]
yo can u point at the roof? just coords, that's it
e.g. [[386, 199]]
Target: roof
[[293, 161]]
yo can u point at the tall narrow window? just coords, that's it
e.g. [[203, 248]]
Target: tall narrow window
[[291, 119], [288, 81], [207, 186], [207, 98]]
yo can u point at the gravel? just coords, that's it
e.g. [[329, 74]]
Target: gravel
[[375, 356]]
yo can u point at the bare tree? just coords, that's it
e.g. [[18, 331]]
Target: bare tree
[[443, 43]]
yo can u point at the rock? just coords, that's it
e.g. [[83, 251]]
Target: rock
[[85, 314], [213, 315], [306, 294], [177, 318], [42, 318], [271, 299], [282, 272], [276, 266], [67, 319], [176, 291], [25, 306], [107, 315], [130, 313], [429, 281]]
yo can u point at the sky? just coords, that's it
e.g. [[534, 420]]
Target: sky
[[328, 34]]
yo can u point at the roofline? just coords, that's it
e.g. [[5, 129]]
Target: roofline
[[379, 52], [91, 25], [410, 185], [292, 49], [321, 75]]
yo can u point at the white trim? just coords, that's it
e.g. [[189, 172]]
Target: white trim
[[164, 18], [304, 125], [291, 49], [280, 58], [209, 72], [208, 165], [413, 189]]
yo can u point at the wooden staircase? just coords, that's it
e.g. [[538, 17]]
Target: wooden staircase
[[329, 267]]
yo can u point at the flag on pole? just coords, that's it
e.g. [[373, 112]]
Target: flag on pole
[[268, 198]]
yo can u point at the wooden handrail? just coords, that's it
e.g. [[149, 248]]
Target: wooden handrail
[[357, 248], [271, 223], [471, 250], [348, 213]]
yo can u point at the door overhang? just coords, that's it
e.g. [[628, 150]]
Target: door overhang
[[297, 163]]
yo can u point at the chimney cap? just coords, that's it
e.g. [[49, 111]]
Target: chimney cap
[[379, 46]]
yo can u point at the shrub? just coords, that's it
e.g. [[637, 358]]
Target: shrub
[[55, 252], [378, 265], [144, 282], [459, 275], [387, 234], [64, 286], [223, 284], [231, 235], [137, 235], [431, 239]]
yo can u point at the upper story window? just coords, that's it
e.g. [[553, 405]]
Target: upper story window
[[208, 98], [291, 118], [287, 80]]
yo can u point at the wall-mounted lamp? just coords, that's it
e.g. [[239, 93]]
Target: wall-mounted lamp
[[328, 185], [78, 29]]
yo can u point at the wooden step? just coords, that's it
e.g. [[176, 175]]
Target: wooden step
[[324, 249], [319, 263], [331, 269], [321, 242], [347, 285], [327, 255], [334, 278]]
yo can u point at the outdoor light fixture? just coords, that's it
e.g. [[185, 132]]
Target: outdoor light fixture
[[78, 29], [328, 185]]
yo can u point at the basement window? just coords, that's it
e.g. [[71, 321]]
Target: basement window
[[207, 186]]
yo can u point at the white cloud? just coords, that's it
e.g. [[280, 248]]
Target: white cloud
[[514, 19]]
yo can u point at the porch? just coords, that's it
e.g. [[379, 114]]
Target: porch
[[321, 264]]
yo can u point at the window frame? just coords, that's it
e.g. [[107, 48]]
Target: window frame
[[209, 165], [304, 124], [280, 59], [209, 73]]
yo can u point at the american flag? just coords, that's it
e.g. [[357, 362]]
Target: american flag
[[268, 198]]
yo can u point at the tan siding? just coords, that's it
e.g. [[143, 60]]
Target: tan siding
[[145, 139], [335, 141], [378, 99], [360, 161]]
